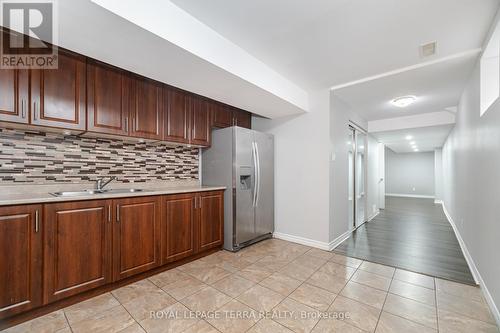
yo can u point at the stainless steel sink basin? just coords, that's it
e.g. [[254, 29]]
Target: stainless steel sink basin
[[95, 192]]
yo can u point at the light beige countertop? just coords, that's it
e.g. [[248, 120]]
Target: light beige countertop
[[36, 194]]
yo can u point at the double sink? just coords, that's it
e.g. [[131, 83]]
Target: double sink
[[95, 192]]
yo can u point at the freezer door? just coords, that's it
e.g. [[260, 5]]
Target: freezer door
[[244, 164], [264, 206]]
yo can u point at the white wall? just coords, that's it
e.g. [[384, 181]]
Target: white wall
[[409, 174], [301, 171], [381, 173], [471, 178], [341, 114], [311, 170], [438, 175], [373, 177]]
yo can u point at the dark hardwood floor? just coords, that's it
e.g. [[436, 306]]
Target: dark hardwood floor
[[411, 234]]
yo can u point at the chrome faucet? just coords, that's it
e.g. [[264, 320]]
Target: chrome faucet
[[100, 183]]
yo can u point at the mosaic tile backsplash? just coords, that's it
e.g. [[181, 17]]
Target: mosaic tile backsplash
[[32, 157]]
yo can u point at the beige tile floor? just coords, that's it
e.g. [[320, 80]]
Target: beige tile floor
[[277, 286]]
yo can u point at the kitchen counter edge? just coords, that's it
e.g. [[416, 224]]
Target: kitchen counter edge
[[41, 198]]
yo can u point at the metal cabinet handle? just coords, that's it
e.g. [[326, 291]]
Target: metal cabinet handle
[[35, 112], [37, 221], [117, 213], [126, 123], [109, 213], [23, 110]]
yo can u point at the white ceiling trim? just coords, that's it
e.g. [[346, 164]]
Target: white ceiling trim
[[414, 121], [465, 54]]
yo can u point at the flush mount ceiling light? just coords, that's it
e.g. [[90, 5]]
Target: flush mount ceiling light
[[404, 101], [409, 137]]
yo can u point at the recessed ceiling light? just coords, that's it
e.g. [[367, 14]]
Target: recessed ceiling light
[[409, 137], [415, 150], [404, 101], [412, 142]]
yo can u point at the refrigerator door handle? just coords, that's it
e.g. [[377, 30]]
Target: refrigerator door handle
[[257, 195], [254, 158]]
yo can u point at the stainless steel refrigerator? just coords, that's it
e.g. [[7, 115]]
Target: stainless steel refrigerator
[[243, 161]]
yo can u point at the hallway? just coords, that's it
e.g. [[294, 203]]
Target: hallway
[[411, 234]]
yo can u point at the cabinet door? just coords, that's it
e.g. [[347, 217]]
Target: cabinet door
[[178, 227], [200, 122], [58, 96], [20, 259], [77, 248], [108, 91], [14, 95], [136, 236], [147, 109], [211, 222], [243, 119], [223, 116], [177, 116]]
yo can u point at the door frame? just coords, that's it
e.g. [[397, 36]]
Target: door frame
[[356, 128]]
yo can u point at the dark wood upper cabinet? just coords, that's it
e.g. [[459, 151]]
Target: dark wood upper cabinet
[[211, 219], [20, 259], [177, 116], [242, 119], [222, 116], [58, 96], [146, 110], [108, 91], [225, 116], [200, 122], [178, 227], [77, 248], [136, 236], [14, 100]]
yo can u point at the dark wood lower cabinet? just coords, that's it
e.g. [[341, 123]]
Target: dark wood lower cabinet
[[136, 236], [53, 253], [20, 259], [211, 220], [178, 227], [191, 223], [77, 248]]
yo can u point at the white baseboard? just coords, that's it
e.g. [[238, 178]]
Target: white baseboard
[[475, 272], [374, 215], [409, 195], [302, 240], [337, 241], [438, 202], [313, 243]]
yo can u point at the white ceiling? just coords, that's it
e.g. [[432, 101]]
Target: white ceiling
[[426, 138], [436, 87], [266, 56], [89, 29], [323, 43]]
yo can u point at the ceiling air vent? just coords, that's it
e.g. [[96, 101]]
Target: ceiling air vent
[[427, 50]]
